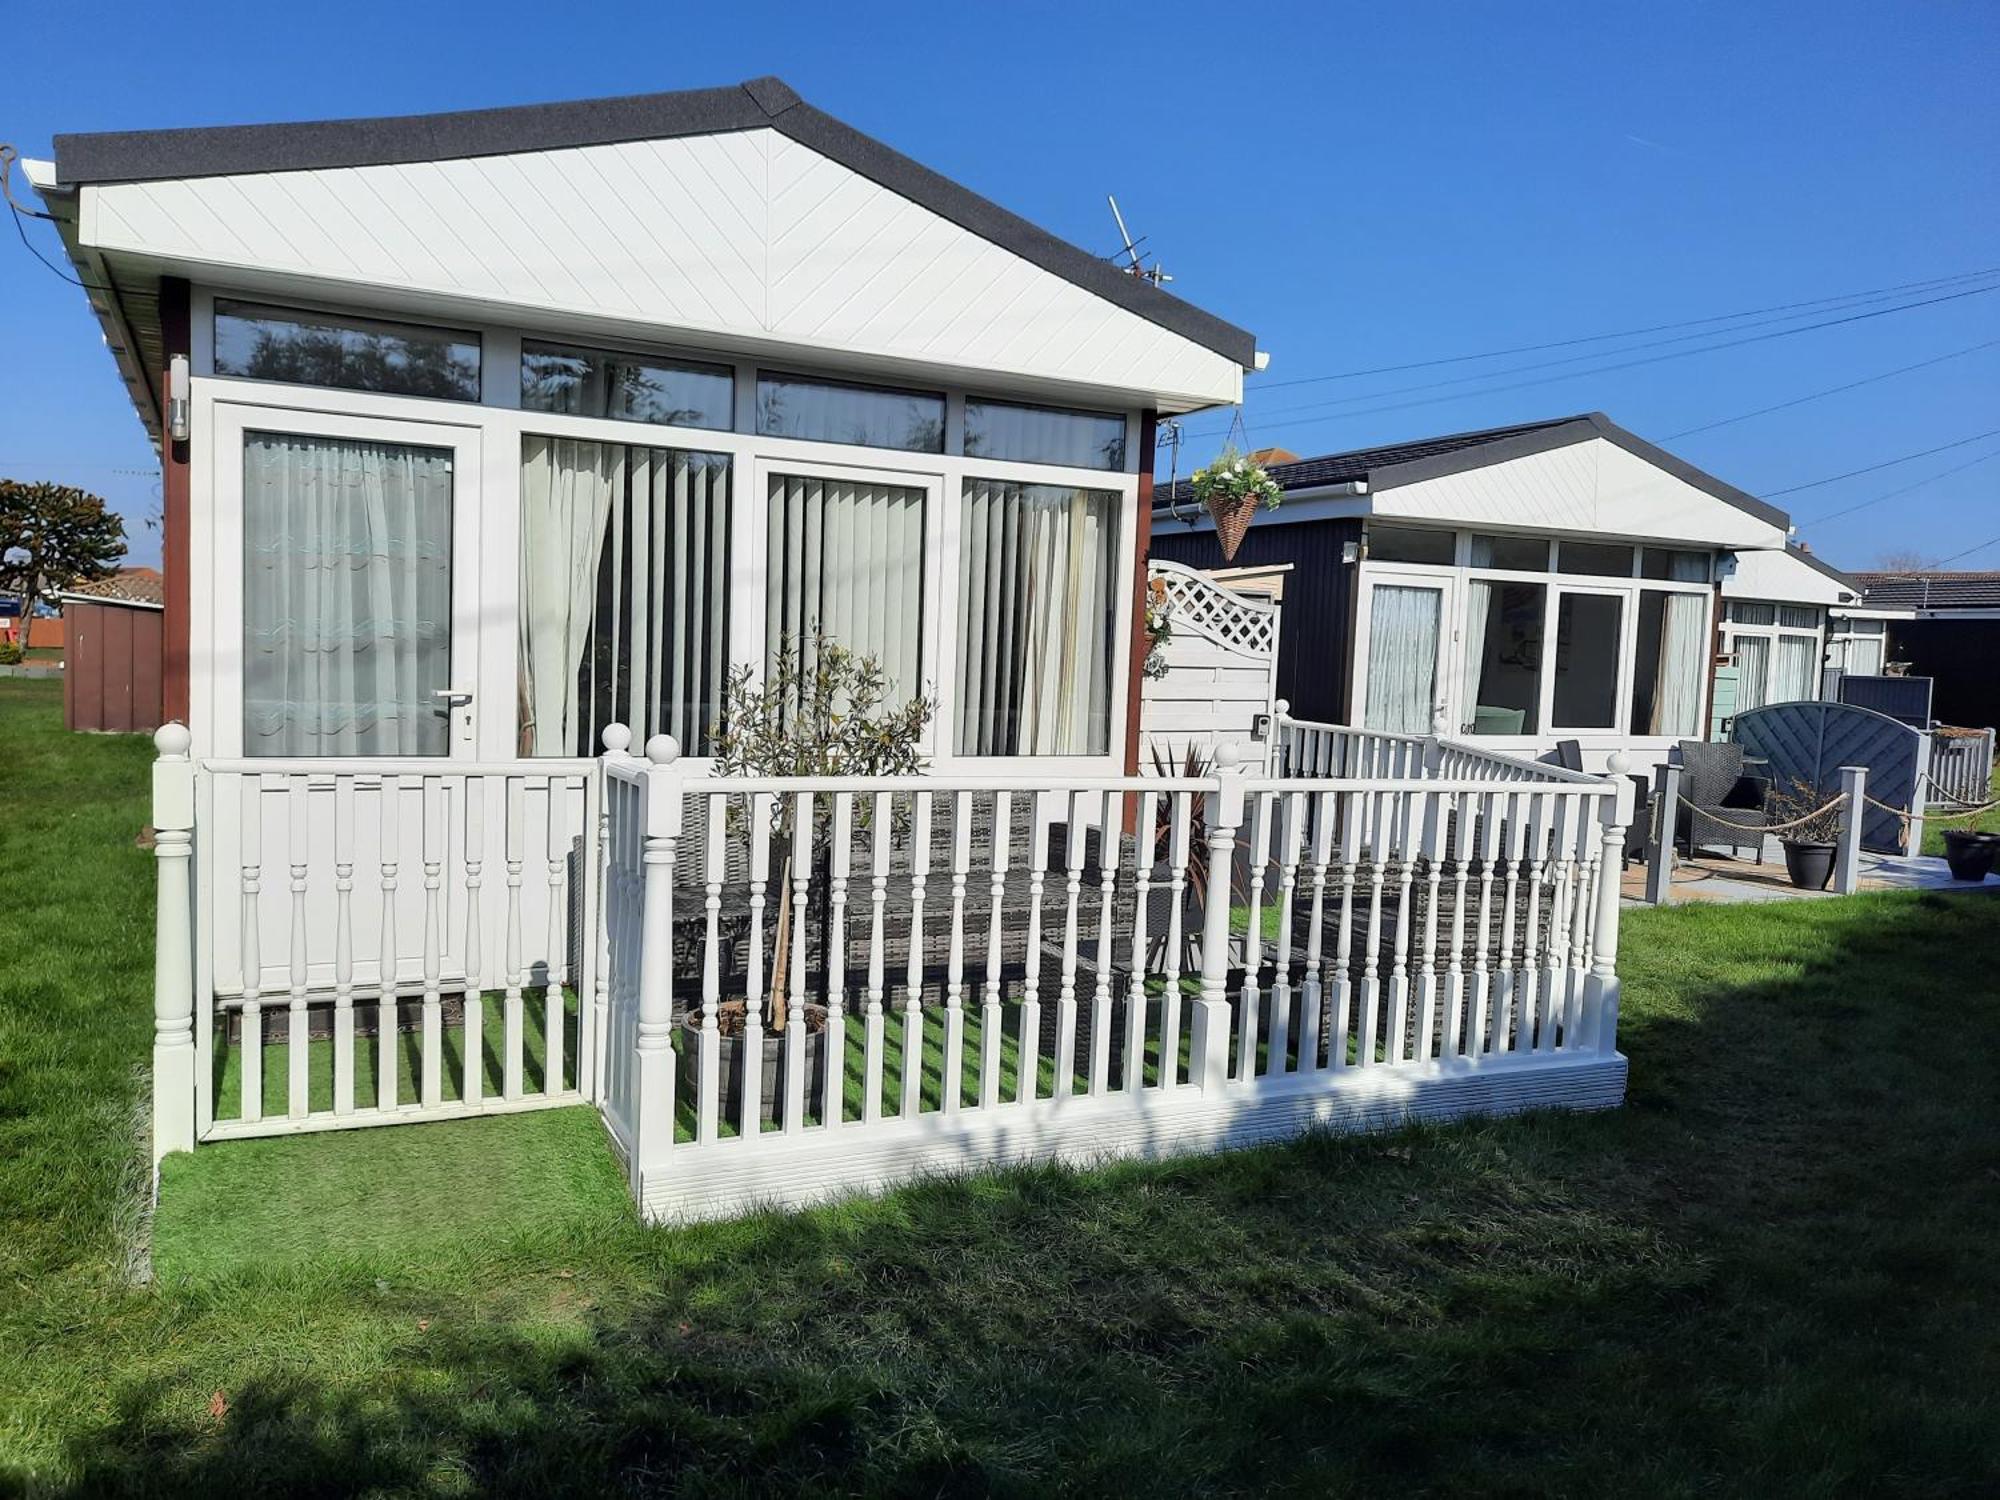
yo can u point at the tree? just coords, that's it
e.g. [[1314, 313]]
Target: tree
[[54, 537], [1902, 561], [821, 710]]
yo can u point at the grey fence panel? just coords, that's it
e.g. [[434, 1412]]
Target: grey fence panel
[[1810, 742]]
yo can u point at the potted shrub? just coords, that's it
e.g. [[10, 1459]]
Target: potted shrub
[[1232, 487], [1970, 853], [819, 710], [1810, 847]]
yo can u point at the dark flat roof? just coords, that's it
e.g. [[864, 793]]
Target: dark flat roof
[[1392, 465], [211, 151]]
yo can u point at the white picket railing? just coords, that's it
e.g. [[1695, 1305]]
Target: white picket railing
[[1016, 967], [371, 942], [1961, 767], [972, 968]]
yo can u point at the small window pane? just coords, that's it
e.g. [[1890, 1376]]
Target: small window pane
[[870, 416], [1516, 554], [1666, 676], [1600, 559], [1674, 565], [1798, 616], [626, 387], [1503, 657], [1586, 690], [1410, 544], [1867, 627], [1038, 590], [1753, 614], [356, 354], [1044, 435]]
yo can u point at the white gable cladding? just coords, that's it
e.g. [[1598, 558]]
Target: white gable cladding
[[1592, 486], [1782, 577], [741, 235]]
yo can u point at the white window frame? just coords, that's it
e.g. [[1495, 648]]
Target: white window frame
[[1734, 631], [492, 432], [217, 559], [1455, 579]]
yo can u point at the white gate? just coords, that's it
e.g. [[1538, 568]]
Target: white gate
[[1215, 676]]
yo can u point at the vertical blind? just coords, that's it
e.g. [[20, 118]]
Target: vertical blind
[[1676, 705], [846, 559], [1402, 658], [346, 596], [1037, 591], [624, 593]]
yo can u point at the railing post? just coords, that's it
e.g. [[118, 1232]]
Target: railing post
[[1600, 987], [1281, 756], [173, 939], [1660, 840], [1847, 859], [653, 1095], [593, 1054], [1208, 1038]]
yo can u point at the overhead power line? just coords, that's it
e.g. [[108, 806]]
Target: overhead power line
[[1597, 338], [1887, 463], [1832, 390], [1834, 515], [1607, 369], [1990, 541]]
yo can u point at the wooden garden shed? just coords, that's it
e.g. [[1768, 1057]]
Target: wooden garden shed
[[113, 653]]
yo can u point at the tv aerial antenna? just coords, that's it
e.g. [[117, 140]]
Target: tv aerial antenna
[[1133, 265]]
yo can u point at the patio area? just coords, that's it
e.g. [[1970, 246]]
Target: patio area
[[1716, 877]]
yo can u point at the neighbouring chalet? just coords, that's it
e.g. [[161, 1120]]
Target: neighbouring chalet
[[484, 430], [1522, 585], [1944, 626]]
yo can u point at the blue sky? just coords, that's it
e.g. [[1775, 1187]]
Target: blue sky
[[1360, 185]]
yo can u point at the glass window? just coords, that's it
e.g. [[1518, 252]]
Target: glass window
[[1037, 584], [1586, 683], [846, 560], [346, 596], [1503, 657], [1044, 434], [1402, 658], [1795, 670], [1666, 672], [1753, 614], [1753, 672], [1516, 554], [624, 593], [1674, 565], [1864, 656], [1411, 544], [1798, 616], [357, 354], [828, 411], [628, 387], [1600, 559], [1867, 627]]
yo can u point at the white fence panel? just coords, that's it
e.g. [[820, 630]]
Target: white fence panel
[[1221, 670]]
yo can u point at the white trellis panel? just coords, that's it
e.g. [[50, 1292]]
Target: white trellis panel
[[1222, 669]]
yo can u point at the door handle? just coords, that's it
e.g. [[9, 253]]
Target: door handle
[[453, 697]]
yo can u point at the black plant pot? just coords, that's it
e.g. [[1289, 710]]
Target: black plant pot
[[1970, 854], [1809, 865], [771, 1067]]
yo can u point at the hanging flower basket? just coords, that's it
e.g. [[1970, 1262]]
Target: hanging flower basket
[[1232, 488]]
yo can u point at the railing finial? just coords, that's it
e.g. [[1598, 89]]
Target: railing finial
[[172, 738], [1228, 756], [617, 739], [663, 749]]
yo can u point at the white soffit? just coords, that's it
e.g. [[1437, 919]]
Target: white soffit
[[739, 234], [1593, 486]]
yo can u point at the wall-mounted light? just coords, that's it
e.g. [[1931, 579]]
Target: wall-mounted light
[[177, 398], [1350, 552]]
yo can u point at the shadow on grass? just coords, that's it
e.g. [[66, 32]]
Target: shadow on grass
[[1771, 1272]]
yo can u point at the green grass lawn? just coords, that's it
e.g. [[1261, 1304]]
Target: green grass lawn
[[1771, 1273]]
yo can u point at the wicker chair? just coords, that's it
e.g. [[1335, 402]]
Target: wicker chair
[[1720, 790], [1569, 755]]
